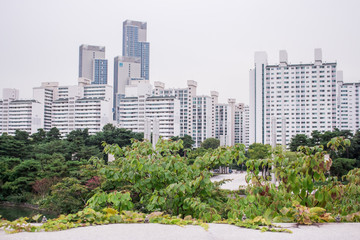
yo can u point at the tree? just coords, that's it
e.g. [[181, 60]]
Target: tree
[[259, 151], [53, 134], [67, 196], [21, 177], [299, 140], [39, 136], [18, 147], [161, 180], [341, 166], [187, 143], [212, 143], [112, 135], [316, 138], [355, 146]]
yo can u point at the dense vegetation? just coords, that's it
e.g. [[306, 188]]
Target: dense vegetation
[[344, 160], [164, 185], [43, 168]]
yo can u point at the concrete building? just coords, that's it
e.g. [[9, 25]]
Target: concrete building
[[223, 124], [92, 64], [139, 107], [202, 117], [241, 124], [304, 94], [18, 114], [185, 96], [45, 95], [348, 105], [82, 106], [201, 129], [135, 44], [125, 70]]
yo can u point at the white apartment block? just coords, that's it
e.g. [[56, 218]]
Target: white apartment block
[[184, 95], [201, 119], [348, 105], [45, 95], [208, 119], [241, 124], [303, 94], [195, 111], [223, 118], [139, 105], [75, 107], [17, 114]]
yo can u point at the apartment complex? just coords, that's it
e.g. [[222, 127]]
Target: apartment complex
[[92, 64], [138, 106], [18, 114], [347, 105], [65, 107], [198, 116], [305, 96]]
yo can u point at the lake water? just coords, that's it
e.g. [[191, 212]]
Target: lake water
[[13, 212]]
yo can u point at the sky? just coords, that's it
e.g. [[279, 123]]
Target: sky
[[211, 42]]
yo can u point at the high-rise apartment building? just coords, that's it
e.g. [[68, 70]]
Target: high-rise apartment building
[[18, 114], [82, 106], [348, 105], [185, 95], [139, 105], [303, 94], [45, 95], [201, 119], [92, 64], [135, 44], [125, 70]]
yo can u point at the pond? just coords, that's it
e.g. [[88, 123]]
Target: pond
[[13, 212]]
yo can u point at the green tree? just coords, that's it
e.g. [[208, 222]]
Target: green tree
[[187, 142], [299, 140], [21, 177], [67, 196], [15, 146], [112, 135], [212, 143], [39, 136], [259, 151], [341, 166], [160, 179], [53, 134]]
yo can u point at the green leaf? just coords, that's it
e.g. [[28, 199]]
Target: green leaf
[[251, 198]]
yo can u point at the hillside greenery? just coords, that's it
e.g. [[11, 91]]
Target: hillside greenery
[[172, 185]]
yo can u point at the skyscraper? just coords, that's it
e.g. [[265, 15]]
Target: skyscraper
[[125, 69], [135, 44], [92, 64]]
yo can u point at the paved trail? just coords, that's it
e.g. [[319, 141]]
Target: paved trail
[[332, 231]]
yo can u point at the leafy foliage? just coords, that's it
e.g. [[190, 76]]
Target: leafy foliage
[[212, 143], [161, 180], [161, 186]]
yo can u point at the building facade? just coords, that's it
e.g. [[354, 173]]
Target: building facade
[[125, 70], [139, 105], [18, 114], [135, 44], [302, 95], [92, 64], [348, 105]]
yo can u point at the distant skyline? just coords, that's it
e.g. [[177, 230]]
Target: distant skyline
[[211, 42]]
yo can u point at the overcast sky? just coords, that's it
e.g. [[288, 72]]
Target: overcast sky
[[211, 42]]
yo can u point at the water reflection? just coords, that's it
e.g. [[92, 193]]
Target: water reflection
[[13, 212]]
